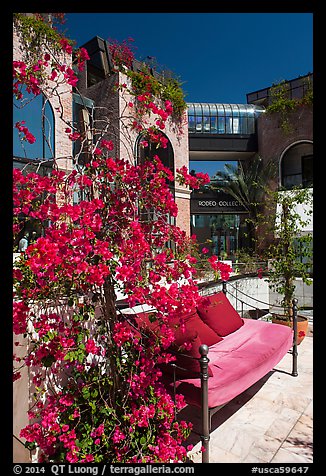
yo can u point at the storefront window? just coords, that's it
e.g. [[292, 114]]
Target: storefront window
[[212, 168], [222, 234]]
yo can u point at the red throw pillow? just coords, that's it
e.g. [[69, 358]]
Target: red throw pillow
[[193, 323], [190, 368], [219, 314], [187, 367]]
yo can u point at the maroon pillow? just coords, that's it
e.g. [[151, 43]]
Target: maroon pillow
[[219, 314], [146, 320], [189, 335], [206, 334], [190, 368]]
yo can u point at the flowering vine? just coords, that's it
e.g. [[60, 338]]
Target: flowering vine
[[153, 94], [98, 394]]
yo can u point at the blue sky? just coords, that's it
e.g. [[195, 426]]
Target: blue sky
[[219, 57]]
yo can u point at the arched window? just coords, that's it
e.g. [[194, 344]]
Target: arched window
[[165, 154], [296, 166], [38, 115], [167, 158]]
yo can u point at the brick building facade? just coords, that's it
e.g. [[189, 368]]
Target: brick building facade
[[111, 108], [275, 144]]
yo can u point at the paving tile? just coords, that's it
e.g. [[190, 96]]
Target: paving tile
[[217, 455], [263, 450], [282, 425], [291, 456], [300, 441]]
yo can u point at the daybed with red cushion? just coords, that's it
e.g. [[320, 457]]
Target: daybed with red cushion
[[241, 352]]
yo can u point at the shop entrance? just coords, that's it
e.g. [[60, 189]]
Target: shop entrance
[[222, 234]]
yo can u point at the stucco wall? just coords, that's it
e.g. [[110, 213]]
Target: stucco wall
[[255, 292], [21, 403]]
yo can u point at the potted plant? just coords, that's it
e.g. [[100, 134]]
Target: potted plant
[[290, 254]]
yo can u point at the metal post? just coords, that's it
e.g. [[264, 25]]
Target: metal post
[[295, 335], [204, 360], [224, 286]]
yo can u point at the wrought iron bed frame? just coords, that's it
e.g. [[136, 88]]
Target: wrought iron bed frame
[[206, 412]]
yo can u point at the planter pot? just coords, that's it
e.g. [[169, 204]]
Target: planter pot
[[302, 325]]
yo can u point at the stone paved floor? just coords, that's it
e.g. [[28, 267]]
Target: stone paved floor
[[271, 422]]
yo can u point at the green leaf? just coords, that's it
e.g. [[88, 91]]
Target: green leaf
[[86, 393], [152, 317]]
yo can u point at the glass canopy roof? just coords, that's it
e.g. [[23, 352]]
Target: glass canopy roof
[[214, 118]]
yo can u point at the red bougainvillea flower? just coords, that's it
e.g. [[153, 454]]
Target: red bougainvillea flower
[[222, 269], [27, 134]]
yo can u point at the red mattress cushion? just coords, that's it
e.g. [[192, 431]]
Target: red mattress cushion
[[239, 361], [219, 314], [193, 325]]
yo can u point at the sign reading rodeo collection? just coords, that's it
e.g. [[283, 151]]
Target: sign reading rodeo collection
[[219, 203]]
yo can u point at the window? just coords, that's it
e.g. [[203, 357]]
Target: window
[[211, 118], [212, 168], [221, 125], [191, 124], [167, 158], [82, 110], [30, 227], [165, 154], [307, 171], [297, 167], [38, 115]]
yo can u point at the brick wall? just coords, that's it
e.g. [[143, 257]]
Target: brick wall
[[183, 218], [113, 110], [273, 140]]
